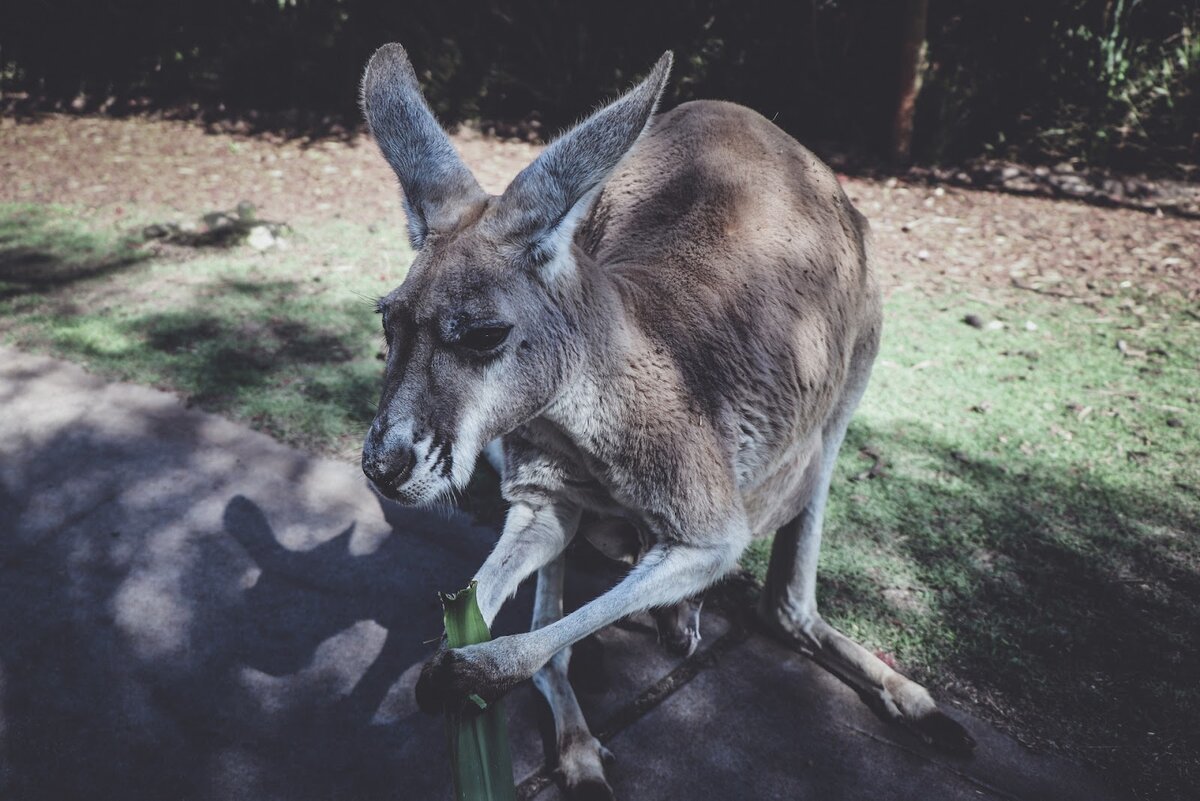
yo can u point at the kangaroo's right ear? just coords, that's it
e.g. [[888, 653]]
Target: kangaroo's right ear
[[549, 197], [437, 185]]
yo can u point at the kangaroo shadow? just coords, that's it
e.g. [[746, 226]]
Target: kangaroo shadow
[[159, 640], [303, 598], [333, 638]]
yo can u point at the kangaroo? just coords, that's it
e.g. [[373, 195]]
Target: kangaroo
[[668, 322]]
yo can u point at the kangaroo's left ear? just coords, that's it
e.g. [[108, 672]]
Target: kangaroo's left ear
[[438, 187], [549, 197]]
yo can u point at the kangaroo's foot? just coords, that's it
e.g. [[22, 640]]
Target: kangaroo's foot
[[581, 762], [901, 698]]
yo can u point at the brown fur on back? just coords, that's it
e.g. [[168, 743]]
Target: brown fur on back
[[738, 253]]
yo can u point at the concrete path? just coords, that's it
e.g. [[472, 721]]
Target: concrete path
[[190, 610]]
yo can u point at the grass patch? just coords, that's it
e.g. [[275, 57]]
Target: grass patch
[[283, 339], [1030, 548], [43, 249]]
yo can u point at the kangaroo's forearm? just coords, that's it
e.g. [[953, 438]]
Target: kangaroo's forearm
[[666, 575], [532, 537]]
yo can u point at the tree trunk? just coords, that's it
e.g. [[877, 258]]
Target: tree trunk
[[912, 69]]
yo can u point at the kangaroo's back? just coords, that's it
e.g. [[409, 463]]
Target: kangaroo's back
[[737, 249]]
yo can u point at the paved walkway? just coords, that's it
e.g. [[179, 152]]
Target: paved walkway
[[190, 610]]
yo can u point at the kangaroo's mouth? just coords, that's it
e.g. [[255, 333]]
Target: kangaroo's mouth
[[413, 476], [420, 492]]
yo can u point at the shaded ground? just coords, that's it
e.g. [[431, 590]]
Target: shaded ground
[[193, 610], [1015, 519]]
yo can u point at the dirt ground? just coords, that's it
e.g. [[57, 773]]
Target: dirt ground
[[935, 237]]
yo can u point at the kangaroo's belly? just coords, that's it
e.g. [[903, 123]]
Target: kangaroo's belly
[[781, 495]]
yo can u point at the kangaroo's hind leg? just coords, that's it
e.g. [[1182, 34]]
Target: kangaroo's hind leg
[[789, 606], [581, 757]]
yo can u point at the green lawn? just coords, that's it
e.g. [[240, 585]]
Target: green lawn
[[285, 339], [1027, 542]]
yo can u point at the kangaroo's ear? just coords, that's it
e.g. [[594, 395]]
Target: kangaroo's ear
[[550, 196], [437, 185]]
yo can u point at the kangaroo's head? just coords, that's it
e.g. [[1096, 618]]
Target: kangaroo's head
[[482, 333]]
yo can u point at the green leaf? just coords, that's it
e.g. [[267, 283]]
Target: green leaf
[[478, 738]]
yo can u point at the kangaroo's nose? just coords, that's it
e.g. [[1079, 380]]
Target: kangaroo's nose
[[389, 470]]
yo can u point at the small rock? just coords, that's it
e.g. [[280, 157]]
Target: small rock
[[973, 320], [1075, 189], [1030, 325], [923, 255], [994, 325], [1174, 422], [260, 238]]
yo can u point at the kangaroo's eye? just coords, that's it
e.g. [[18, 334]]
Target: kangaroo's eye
[[485, 338]]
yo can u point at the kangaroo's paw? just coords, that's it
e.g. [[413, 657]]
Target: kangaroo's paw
[[581, 762], [682, 641], [679, 627]]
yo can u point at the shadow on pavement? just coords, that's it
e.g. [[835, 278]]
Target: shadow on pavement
[[163, 635], [191, 610]]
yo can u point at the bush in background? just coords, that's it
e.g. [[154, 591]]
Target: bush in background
[[1107, 81]]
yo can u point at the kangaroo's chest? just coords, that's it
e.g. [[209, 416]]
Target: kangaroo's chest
[[542, 458]]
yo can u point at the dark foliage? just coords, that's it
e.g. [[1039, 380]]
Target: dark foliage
[[1116, 81]]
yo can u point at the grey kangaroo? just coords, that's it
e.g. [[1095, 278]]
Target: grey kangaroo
[[668, 322]]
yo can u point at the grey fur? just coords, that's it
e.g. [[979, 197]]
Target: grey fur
[[435, 181], [677, 380], [548, 196]]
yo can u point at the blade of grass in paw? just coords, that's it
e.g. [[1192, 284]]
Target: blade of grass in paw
[[479, 755]]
